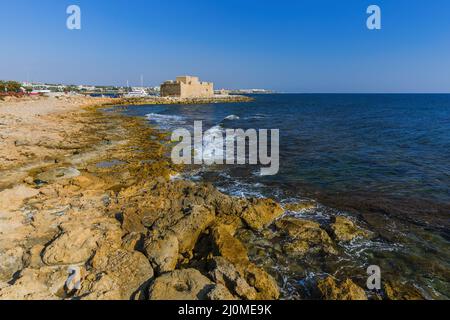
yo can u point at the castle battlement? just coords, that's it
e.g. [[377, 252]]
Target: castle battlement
[[187, 87]]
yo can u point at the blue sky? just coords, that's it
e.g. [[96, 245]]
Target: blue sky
[[290, 46]]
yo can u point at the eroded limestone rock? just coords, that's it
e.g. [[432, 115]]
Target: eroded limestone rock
[[77, 242], [347, 290], [260, 213], [228, 246], [101, 287], [305, 237], [225, 273], [401, 291], [37, 284], [163, 253], [220, 293], [300, 206], [12, 199], [265, 285], [58, 174], [10, 263], [346, 230], [117, 274], [235, 270], [196, 220], [133, 241], [187, 284]]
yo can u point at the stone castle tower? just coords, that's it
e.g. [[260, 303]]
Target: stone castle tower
[[187, 87]]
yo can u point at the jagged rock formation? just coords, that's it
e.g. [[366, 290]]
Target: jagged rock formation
[[347, 290]]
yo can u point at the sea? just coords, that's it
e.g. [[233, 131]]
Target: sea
[[382, 160]]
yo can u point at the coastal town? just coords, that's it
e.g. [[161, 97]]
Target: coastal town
[[182, 86]]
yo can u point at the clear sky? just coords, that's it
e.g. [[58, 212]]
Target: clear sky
[[290, 46]]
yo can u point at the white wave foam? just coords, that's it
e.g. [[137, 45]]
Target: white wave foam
[[165, 120], [242, 189], [256, 116], [212, 147], [232, 117]]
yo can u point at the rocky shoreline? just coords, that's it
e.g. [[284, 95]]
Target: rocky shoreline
[[94, 191], [153, 100]]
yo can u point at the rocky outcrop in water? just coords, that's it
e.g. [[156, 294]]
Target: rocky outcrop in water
[[395, 290], [346, 290], [192, 225], [300, 206], [304, 236], [345, 230]]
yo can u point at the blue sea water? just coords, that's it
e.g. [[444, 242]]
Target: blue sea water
[[384, 159]]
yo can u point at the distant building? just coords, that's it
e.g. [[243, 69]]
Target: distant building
[[251, 91], [222, 92], [187, 87], [27, 84], [86, 88]]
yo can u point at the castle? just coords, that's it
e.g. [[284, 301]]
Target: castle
[[187, 87]]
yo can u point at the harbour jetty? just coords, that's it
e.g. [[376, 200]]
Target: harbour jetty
[[154, 100]]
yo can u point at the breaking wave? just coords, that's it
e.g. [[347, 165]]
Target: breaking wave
[[211, 145], [232, 117], [165, 121]]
